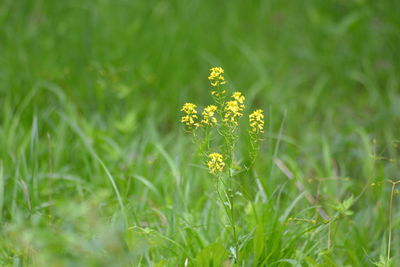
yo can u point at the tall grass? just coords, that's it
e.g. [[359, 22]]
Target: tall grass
[[95, 169]]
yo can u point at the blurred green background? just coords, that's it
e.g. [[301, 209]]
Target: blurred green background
[[107, 78], [119, 56], [330, 66]]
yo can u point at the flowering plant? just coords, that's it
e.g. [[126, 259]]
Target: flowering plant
[[218, 130]]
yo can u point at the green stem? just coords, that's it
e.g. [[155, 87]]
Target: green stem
[[231, 204]]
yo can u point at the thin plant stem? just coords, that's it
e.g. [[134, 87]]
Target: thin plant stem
[[231, 201], [390, 217]]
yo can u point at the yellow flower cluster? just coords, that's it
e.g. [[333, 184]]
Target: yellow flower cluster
[[233, 109], [215, 93], [228, 111], [216, 78], [216, 163], [257, 121], [238, 97], [209, 116], [190, 118]]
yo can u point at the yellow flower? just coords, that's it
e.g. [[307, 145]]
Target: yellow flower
[[215, 163], [257, 121], [208, 116], [233, 109], [215, 93], [216, 77], [190, 118], [238, 97]]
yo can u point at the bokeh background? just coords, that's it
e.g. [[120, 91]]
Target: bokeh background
[[115, 73], [329, 68], [148, 57]]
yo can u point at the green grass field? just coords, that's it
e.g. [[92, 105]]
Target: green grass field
[[97, 170]]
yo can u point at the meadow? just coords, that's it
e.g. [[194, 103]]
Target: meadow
[[96, 168]]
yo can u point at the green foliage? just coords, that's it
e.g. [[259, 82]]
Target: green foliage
[[95, 169], [383, 262], [344, 207], [213, 255]]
